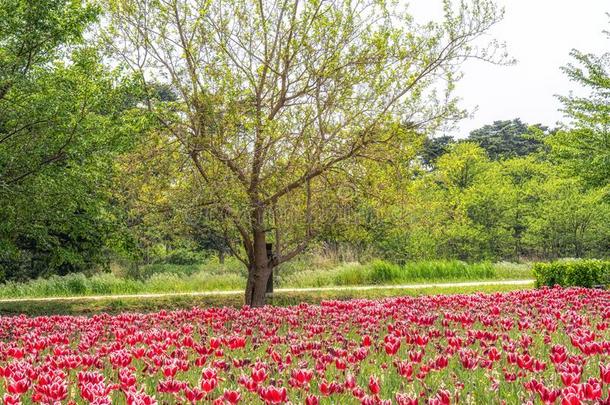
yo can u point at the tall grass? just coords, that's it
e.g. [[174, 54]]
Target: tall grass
[[231, 275], [110, 284], [380, 272]]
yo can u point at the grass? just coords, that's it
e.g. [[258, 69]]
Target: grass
[[86, 306], [110, 284], [383, 273], [231, 275]]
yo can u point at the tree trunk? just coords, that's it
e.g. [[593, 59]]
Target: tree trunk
[[256, 286], [259, 270]]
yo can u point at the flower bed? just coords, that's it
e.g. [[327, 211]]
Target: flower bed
[[547, 345]]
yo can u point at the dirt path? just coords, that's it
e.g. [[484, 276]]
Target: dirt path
[[278, 290]]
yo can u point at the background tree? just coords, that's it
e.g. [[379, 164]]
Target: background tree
[[509, 138], [584, 144], [275, 98], [525, 177], [570, 220], [63, 116], [435, 147]]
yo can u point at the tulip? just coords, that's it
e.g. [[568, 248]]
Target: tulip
[[374, 385], [312, 400], [273, 395], [231, 396], [404, 399], [208, 384], [570, 399], [604, 373], [193, 394]]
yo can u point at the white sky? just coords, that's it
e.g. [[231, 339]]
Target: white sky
[[540, 34]]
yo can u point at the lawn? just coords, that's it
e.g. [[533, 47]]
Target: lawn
[[114, 305], [231, 275], [531, 346]]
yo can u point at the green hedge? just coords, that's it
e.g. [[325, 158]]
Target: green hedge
[[582, 273]]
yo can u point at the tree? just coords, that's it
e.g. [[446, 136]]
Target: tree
[[279, 101], [569, 221], [506, 139], [584, 145], [63, 115], [32, 36], [460, 168], [525, 176], [435, 147]]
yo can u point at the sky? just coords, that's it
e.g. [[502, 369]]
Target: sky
[[540, 34]]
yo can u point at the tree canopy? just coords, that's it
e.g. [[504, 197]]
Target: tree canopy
[[584, 143], [63, 117]]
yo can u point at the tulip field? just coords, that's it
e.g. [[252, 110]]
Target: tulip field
[[550, 345]]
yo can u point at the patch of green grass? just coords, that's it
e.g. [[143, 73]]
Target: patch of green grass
[[379, 272], [86, 306], [231, 275], [514, 271], [110, 284]]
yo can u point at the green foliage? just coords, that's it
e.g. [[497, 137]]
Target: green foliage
[[34, 33], [570, 220], [459, 169], [474, 209], [109, 284], [64, 117], [566, 273], [507, 139], [510, 270], [434, 148], [183, 256], [382, 272], [584, 145]]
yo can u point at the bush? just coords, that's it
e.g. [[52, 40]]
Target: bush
[[581, 273]]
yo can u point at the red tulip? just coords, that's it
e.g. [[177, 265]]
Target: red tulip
[[259, 375], [208, 384], [570, 399], [604, 373], [273, 395], [312, 400], [374, 385], [592, 390], [404, 399], [232, 396], [193, 394]]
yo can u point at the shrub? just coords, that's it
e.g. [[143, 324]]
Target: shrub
[[183, 256], [582, 273]]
